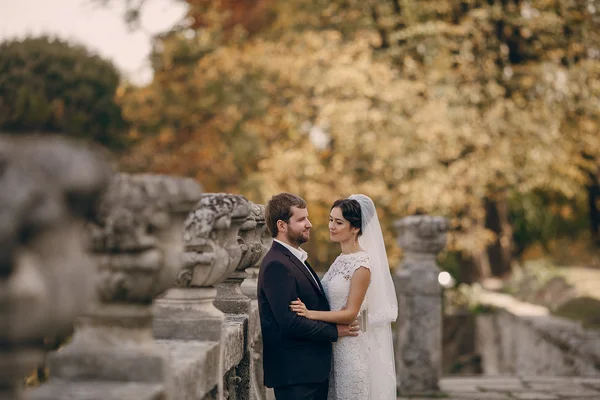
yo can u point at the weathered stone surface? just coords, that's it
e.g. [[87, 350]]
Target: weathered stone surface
[[198, 365], [534, 396], [138, 209], [254, 353], [188, 314], [528, 340], [486, 339], [419, 325], [99, 391], [230, 298], [138, 241], [49, 191], [510, 387], [223, 239], [212, 252], [422, 234], [250, 283], [591, 383], [194, 365], [234, 343], [211, 239]]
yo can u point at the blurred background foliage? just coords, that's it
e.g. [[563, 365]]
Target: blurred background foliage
[[48, 85], [484, 111]]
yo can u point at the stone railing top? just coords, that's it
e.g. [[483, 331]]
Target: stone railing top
[[566, 333], [422, 233], [44, 180], [135, 206], [214, 211]]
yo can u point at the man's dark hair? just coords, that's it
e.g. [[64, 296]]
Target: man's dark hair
[[280, 208], [351, 211]]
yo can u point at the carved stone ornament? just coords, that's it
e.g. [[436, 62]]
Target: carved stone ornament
[[267, 241], [138, 245], [422, 234], [230, 298], [250, 237], [211, 239], [138, 235], [248, 287], [50, 187]]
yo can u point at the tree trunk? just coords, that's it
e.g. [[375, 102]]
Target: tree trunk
[[594, 213], [496, 220], [474, 267]]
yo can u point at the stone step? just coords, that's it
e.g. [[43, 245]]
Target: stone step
[[61, 390], [515, 388]]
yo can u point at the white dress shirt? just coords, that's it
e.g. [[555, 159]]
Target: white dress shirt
[[300, 254]]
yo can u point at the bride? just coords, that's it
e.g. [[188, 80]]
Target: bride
[[359, 285]]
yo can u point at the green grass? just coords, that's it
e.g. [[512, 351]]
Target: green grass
[[583, 309]]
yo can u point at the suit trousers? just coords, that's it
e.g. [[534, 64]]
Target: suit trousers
[[303, 391]]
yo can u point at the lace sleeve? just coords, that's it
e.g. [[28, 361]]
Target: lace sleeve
[[345, 265], [361, 260], [358, 260]]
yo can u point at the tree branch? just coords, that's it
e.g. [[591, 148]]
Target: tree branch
[[382, 33]]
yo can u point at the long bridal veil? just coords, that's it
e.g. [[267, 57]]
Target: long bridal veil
[[382, 305]]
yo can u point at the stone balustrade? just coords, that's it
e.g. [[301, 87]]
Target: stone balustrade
[[137, 243], [159, 280], [147, 268], [519, 338]]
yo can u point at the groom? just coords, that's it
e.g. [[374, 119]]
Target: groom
[[297, 351]]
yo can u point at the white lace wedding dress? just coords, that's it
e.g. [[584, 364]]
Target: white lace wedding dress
[[350, 375]]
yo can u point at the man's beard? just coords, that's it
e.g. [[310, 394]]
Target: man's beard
[[296, 238]]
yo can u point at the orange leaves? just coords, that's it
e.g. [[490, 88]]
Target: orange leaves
[[435, 123], [252, 15]]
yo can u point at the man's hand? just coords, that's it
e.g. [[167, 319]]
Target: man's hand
[[348, 330]]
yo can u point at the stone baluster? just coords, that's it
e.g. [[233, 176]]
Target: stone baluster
[[419, 327], [251, 282], [249, 369], [259, 392], [49, 189], [137, 241], [230, 298], [212, 253]]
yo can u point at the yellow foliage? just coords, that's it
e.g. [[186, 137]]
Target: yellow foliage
[[424, 107]]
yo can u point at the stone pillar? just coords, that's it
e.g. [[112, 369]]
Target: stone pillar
[[251, 385], [212, 253], [230, 298], [49, 188], [419, 327], [137, 240]]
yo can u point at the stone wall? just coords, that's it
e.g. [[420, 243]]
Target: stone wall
[[519, 338], [148, 268]]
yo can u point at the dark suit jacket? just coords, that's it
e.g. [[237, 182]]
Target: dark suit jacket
[[295, 349]]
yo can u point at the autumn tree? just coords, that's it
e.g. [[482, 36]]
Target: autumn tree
[[428, 106]]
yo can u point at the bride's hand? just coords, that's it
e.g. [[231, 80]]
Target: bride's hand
[[299, 308]]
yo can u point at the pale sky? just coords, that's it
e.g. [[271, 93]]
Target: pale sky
[[100, 29]]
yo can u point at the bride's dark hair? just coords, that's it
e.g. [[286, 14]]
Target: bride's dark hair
[[351, 212]]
